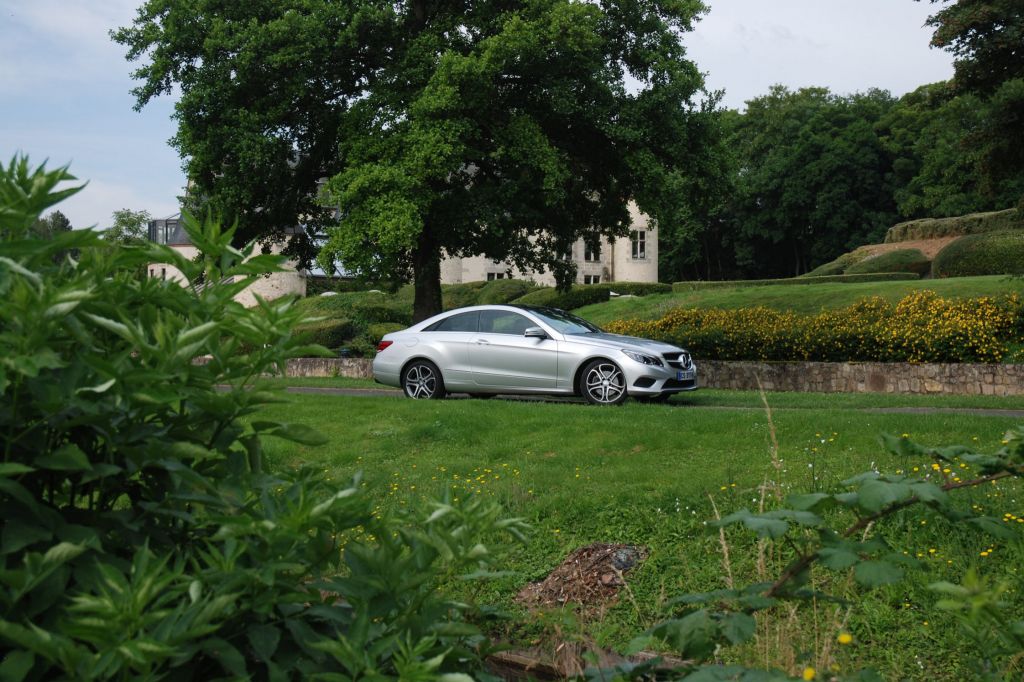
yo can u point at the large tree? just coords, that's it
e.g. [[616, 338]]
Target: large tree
[[986, 37], [127, 226], [502, 127]]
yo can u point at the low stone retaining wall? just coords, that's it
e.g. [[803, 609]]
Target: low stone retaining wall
[[866, 377], [821, 377]]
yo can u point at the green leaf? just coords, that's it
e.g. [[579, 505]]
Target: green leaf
[[837, 558], [994, 527], [228, 656], [810, 502], [14, 468], [297, 433], [738, 627], [18, 535], [264, 640], [16, 665], [877, 573], [68, 457], [877, 494]]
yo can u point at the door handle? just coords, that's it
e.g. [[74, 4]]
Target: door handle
[[483, 342]]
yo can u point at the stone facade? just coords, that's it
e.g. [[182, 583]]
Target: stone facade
[[820, 377], [628, 259]]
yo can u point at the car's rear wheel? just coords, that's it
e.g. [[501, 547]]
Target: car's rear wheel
[[603, 383], [421, 380]]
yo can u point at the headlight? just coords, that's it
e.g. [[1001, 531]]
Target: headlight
[[643, 359]]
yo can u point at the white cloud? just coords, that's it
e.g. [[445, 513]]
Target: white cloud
[[94, 205]]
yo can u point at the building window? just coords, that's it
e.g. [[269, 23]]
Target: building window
[[491, 276], [592, 253], [591, 279], [639, 239]]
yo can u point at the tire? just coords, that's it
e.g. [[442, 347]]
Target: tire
[[422, 380], [603, 383]]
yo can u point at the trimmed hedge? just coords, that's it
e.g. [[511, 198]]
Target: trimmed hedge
[[974, 223], [375, 332], [503, 291], [328, 333], [369, 313], [460, 295], [839, 265], [921, 327], [999, 253], [698, 285], [577, 297], [900, 260], [635, 288]]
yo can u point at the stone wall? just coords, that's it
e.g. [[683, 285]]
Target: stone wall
[[866, 377], [821, 377]]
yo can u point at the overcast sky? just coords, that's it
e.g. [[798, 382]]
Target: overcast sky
[[64, 86]]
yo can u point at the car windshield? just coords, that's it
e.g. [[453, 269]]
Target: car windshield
[[563, 322]]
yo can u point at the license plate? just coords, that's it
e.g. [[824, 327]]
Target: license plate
[[684, 374]]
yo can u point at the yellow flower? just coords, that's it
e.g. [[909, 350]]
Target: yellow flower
[[844, 638], [809, 673]]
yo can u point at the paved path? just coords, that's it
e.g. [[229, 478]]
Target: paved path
[[395, 393]]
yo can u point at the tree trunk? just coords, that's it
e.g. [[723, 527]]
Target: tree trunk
[[426, 263]]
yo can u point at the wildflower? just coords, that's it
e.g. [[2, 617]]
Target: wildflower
[[809, 673], [844, 638]]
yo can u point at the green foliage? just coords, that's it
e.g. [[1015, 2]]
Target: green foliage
[[140, 536], [439, 129], [504, 291], [577, 297], [461, 295], [128, 227], [974, 223], [900, 260], [999, 253], [833, 530], [804, 279], [635, 288], [331, 333], [375, 332]]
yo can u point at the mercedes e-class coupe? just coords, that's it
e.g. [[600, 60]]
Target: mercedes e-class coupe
[[511, 349]]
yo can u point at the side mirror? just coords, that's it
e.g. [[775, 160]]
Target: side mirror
[[535, 333]]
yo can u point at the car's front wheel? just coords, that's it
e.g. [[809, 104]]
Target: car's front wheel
[[422, 380], [603, 383]]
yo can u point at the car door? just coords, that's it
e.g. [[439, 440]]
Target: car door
[[502, 357], [449, 341]]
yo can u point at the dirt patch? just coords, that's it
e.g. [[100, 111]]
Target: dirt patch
[[590, 576], [929, 247]]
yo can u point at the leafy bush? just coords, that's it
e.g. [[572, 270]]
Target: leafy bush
[[375, 332], [332, 333], [371, 313], [635, 288], [460, 295], [974, 223], [577, 297], [839, 265], [140, 536], [1000, 253], [504, 291], [900, 260], [922, 327], [698, 285]]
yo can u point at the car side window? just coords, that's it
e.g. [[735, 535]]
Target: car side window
[[504, 322], [463, 322]]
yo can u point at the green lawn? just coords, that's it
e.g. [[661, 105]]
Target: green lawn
[[646, 474], [808, 299]]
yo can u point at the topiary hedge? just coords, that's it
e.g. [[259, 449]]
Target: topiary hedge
[[999, 253], [501, 291], [460, 295], [974, 223], [332, 333], [577, 297], [900, 260], [635, 288], [698, 285], [839, 265]]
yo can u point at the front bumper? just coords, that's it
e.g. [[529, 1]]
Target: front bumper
[[649, 381]]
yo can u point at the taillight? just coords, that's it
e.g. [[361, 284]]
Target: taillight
[[383, 344]]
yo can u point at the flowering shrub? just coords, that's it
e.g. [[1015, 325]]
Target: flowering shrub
[[921, 327]]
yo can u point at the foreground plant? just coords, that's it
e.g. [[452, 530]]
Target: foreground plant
[[140, 535]]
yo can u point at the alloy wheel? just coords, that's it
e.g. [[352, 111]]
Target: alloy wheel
[[604, 383]]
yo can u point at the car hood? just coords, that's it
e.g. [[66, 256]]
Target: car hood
[[618, 342]]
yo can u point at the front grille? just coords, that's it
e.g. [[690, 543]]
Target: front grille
[[675, 383], [678, 360]]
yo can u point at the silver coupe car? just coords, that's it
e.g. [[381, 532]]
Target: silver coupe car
[[488, 350]]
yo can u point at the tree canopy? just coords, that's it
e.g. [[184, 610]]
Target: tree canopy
[[127, 226], [510, 129]]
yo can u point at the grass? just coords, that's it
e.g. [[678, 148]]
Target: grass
[[806, 299], [646, 474]]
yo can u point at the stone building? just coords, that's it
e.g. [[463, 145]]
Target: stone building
[[170, 232], [628, 259]]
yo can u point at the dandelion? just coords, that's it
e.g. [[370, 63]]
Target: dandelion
[[845, 638], [809, 673]]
